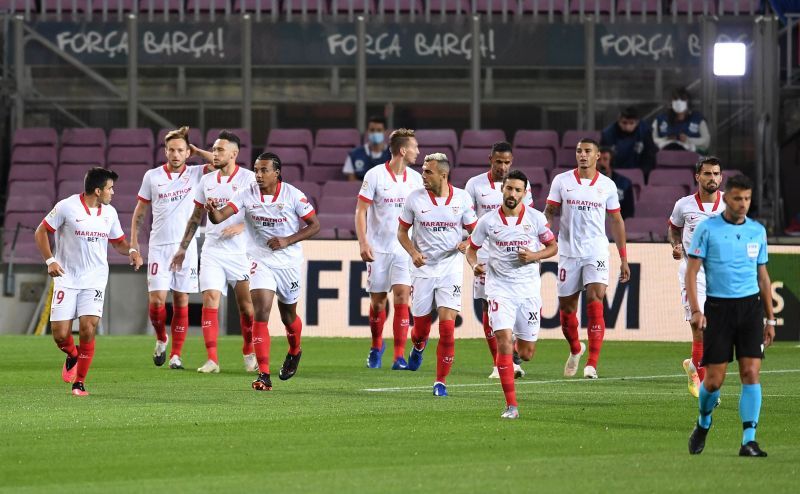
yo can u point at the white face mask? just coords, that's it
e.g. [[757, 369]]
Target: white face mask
[[376, 138], [679, 105]]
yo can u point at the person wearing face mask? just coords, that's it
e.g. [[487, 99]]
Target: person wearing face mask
[[623, 183], [375, 152], [631, 141], [680, 128]]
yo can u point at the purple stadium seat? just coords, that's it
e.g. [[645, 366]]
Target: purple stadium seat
[[32, 172], [672, 176], [323, 174], [243, 134], [341, 188], [460, 175], [450, 153], [535, 175], [495, 6], [571, 138], [291, 174], [660, 208], [155, 5], [645, 229], [546, 139], [87, 156], [25, 250], [739, 7], [253, 6], [338, 138], [75, 172], [401, 6], [329, 157], [68, 187], [66, 5], [694, 6], [729, 173], [312, 190], [473, 157], [293, 138], [292, 159], [195, 136], [207, 5], [131, 138], [38, 155], [637, 177], [29, 203], [543, 6], [35, 136], [436, 138], [676, 159], [337, 226], [542, 158], [131, 172], [591, 6], [558, 171], [565, 157], [343, 6], [664, 192], [81, 137], [123, 156], [17, 5], [637, 6], [450, 6], [482, 139], [334, 204], [31, 188], [312, 6]]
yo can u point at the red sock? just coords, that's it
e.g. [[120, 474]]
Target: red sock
[[179, 327], [261, 344], [158, 318], [569, 326], [597, 329], [85, 355], [246, 323], [490, 339], [68, 347], [400, 329], [421, 331], [505, 367], [697, 357], [376, 327], [210, 331], [293, 332], [445, 350]]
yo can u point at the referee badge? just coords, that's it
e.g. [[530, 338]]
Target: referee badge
[[752, 250]]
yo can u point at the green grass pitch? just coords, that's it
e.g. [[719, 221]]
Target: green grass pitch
[[339, 427]]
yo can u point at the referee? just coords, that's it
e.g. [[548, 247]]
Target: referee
[[733, 250]]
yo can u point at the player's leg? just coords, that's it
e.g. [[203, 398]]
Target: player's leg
[[157, 311], [401, 296], [479, 293], [178, 327], [63, 309], [448, 301], [422, 292], [288, 291], [87, 326], [213, 285], [595, 294], [568, 288], [262, 304], [749, 341], [692, 365], [245, 305], [379, 283], [505, 368]]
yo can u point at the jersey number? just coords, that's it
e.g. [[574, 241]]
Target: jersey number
[[253, 268], [154, 269], [562, 274], [59, 296], [494, 306]]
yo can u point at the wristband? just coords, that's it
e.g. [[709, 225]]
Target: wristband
[[132, 250], [696, 310], [772, 322], [623, 253], [50, 261]]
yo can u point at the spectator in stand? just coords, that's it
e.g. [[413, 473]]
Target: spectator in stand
[[680, 128], [374, 152], [623, 183], [631, 141]]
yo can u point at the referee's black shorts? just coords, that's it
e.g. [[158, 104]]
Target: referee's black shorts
[[733, 323]]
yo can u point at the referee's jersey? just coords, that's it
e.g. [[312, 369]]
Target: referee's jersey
[[731, 254]]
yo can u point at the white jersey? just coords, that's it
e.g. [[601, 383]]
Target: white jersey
[[221, 190], [272, 216], [82, 236], [386, 194], [437, 225], [171, 196], [502, 237], [487, 195], [584, 204], [689, 212]]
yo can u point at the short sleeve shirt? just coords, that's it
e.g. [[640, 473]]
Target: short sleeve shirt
[[221, 190], [82, 235], [171, 196]]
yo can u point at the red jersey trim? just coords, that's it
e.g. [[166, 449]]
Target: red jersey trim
[[99, 207], [553, 203], [391, 173], [198, 204], [277, 192], [700, 202], [362, 198], [309, 215], [235, 209], [235, 171], [673, 225], [407, 225], [613, 210], [471, 226], [48, 227], [169, 173], [578, 177], [489, 177], [472, 244], [449, 196], [117, 240], [142, 199]]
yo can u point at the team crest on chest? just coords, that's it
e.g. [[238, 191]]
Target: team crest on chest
[[526, 228], [456, 209]]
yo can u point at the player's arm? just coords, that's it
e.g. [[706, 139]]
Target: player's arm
[[206, 156], [139, 214], [527, 256], [217, 216], [765, 291], [698, 320], [675, 234], [361, 231], [618, 230], [43, 244], [478, 269], [551, 210], [188, 235], [122, 246], [402, 236], [312, 228]]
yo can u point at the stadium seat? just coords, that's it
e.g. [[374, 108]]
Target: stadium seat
[[65, 5], [639, 6], [657, 208], [460, 176], [345, 6], [482, 139], [292, 157], [130, 172], [543, 6], [255, 6], [154, 5], [339, 205], [323, 174], [31, 203], [25, 251], [339, 226], [311, 6], [591, 6], [32, 188], [672, 176], [68, 187], [34, 155], [437, 138], [473, 157], [400, 6], [529, 158], [86, 156], [348, 138], [636, 176], [739, 7], [75, 172], [83, 137], [17, 6], [571, 137], [32, 172], [284, 138], [125, 195], [341, 188], [427, 150], [123, 156], [291, 174], [559, 170], [243, 135], [329, 157], [208, 5], [131, 138], [676, 159], [693, 6], [646, 229], [35, 136], [537, 139], [450, 6], [665, 192], [566, 157], [312, 190], [495, 6]]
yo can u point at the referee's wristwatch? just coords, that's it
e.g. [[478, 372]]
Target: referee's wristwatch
[[772, 322]]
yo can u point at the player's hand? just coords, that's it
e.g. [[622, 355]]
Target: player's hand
[[769, 335], [196, 151], [462, 246], [677, 251], [277, 243], [698, 321], [366, 253], [479, 269], [418, 259], [624, 271], [526, 256], [177, 260], [136, 260], [232, 231], [209, 206], [54, 270]]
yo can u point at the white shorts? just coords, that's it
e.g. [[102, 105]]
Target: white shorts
[[522, 316], [387, 270], [71, 303], [574, 273], [160, 278], [701, 294], [431, 293], [218, 268], [284, 282]]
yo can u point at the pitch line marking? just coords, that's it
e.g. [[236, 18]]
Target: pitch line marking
[[560, 381]]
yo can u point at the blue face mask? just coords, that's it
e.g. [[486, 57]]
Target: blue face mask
[[376, 137]]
